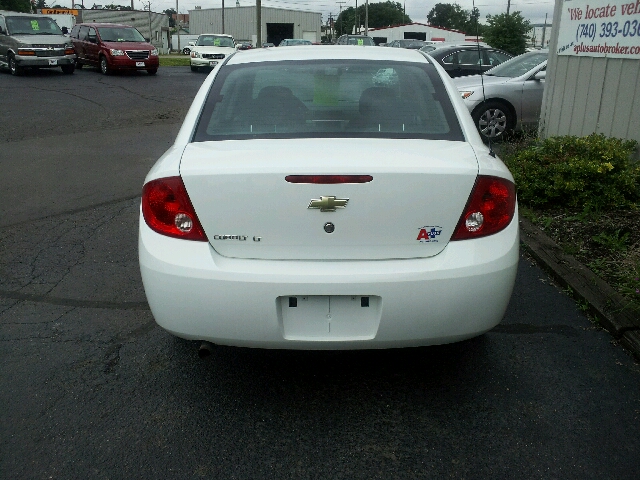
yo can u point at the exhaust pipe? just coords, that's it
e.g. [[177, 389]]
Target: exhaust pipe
[[205, 350]]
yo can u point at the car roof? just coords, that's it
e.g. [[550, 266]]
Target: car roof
[[9, 13], [217, 34], [96, 24], [329, 52]]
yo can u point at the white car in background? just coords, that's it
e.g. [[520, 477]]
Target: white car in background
[[508, 96], [305, 206], [211, 49]]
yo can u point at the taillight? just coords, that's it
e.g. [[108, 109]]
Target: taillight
[[167, 209], [490, 208]]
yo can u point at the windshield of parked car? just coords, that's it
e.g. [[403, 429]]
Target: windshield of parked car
[[295, 41], [328, 98], [120, 34], [215, 41], [519, 65], [24, 25], [360, 41]]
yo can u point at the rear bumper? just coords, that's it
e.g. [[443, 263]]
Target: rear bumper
[[197, 294]]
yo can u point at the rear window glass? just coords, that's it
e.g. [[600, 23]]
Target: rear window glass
[[328, 99]]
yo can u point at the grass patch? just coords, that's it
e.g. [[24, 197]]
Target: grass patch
[[174, 61]]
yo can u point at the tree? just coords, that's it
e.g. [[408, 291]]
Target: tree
[[170, 12], [16, 5], [454, 17], [507, 32], [381, 14]]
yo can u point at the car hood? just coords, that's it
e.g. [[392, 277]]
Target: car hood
[[129, 45], [478, 80], [42, 39]]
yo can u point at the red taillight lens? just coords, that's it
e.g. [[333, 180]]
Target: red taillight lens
[[69, 51], [490, 208], [167, 209]]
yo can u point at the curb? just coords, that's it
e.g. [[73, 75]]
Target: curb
[[612, 311]]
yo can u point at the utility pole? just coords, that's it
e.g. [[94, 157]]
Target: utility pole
[[339, 14], [178, 27], [222, 16], [258, 23], [366, 18], [356, 21], [508, 6], [544, 29]]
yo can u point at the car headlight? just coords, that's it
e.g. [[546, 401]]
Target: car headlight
[[116, 53], [154, 52], [466, 94], [195, 54]]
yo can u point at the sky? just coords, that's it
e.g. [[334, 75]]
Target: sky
[[532, 10]]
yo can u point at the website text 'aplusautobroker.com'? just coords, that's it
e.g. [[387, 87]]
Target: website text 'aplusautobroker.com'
[[617, 49]]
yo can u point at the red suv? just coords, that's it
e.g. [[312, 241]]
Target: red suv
[[111, 46]]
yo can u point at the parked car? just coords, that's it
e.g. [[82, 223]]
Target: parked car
[[33, 41], [468, 59], [355, 40], [267, 45], [244, 45], [289, 42], [508, 96], [211, 49], [411, 44], [251, 234], [187, 50], [113, 47]]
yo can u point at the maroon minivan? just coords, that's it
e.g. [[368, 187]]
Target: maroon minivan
[[110, 47]]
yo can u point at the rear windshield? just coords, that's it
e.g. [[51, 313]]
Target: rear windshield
[[360, 41], [328, 99]]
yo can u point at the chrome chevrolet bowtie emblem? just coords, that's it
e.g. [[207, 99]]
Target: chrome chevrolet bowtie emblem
[[328, 204]]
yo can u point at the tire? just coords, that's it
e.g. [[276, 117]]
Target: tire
[[68, 69], [493, 120], [104, 66], [15, 69], [186, 51], [194, 69], [78, 64], [152, 71]]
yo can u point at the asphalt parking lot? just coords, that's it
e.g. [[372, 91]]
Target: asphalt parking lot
[[90, 387]]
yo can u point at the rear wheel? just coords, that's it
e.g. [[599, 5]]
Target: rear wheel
[[194, 69], [152, 71], [186, 51], [68, 69], [493, 120], [104, 66], [14, 67]]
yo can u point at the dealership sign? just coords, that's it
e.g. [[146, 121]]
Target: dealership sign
[[600, 28]]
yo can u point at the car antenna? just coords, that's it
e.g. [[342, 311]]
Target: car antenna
[[484, 98]]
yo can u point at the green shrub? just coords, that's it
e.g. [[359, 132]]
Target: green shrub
[[592, 173]]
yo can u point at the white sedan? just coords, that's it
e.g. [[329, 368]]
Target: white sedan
[[305, 206]]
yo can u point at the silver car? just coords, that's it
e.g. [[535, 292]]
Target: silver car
[[507, 97]]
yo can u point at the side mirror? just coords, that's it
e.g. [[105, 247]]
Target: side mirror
[[147, 39], [540, 75]]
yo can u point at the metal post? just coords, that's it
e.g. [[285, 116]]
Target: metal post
[[178, 27], [258, 23], [366, 18], [222, 16]]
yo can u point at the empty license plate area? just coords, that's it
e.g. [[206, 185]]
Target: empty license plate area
[[335, 317]]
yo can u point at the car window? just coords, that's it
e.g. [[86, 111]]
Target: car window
[[214, 41], [328, 99], [360, 41], [32, 26], [120, 34], [449, 59], [470, 57], [519, 65], [496, 58]]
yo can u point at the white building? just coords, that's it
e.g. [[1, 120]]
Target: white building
[[417, 31], [241, 23]]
